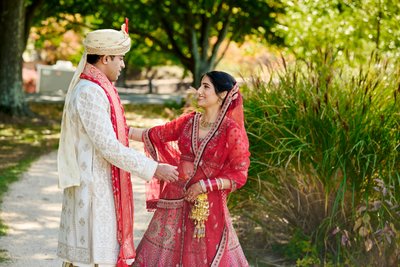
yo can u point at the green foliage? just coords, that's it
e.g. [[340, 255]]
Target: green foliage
[[325, 141], [193, 34], [58, 39], [189, 32], [298, 246], [353, 28]]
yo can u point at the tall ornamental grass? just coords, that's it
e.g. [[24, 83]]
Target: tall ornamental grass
[[325, 169]]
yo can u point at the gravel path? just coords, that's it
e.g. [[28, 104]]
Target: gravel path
[[31, 209]]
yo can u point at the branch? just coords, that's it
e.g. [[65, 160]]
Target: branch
[[159, 43], [151, 37], [170, 33], [205, 30], [74, 22], [195, 47], [205, 34], [223, 53], [227, 46], [221, 36]]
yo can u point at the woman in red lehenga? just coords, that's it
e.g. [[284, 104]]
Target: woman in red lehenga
[[191, 225]]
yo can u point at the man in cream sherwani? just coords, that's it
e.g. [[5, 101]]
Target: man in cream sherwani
[[95, 162]]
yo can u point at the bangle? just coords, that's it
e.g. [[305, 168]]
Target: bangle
[[220, 184], [214, 183], [130, 133], [209, 185], [203, 186], [232, 185]]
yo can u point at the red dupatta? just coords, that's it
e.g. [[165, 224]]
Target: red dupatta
[[121, 180]]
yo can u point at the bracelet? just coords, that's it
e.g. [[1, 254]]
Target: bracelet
[[203, 186], [220, 183], [214, 183], [232, 184], [130, 133], [210, 185]]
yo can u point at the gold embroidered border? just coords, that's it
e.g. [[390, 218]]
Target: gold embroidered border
[[170, 204]]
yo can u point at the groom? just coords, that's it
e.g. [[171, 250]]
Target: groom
[[95, 161]]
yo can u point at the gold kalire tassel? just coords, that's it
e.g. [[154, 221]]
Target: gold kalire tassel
[[199, 215]]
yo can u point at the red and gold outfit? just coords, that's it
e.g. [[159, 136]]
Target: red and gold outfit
[[223, 153]]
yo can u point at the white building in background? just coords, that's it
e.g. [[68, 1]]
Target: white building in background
[[54, 79]]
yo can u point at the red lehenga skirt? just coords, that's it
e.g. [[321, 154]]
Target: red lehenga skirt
[[169, 240]]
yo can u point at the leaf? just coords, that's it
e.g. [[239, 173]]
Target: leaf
[[363, 231], [336, 230], [361, 209], [357, 224], [366, 218], [368, 244], [345, 240], [377, 204], [377, 189]]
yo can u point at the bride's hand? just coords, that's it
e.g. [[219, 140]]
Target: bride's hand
[[193, 191]]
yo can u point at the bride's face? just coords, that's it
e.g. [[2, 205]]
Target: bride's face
[[206, 95]]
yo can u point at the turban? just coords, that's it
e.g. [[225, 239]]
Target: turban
[[107, 42]]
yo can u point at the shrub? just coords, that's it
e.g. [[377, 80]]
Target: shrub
[[324, 141]]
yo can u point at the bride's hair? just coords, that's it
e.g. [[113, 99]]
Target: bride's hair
[[222, 81]]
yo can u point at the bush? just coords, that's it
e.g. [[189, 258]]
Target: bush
[[324, 143]]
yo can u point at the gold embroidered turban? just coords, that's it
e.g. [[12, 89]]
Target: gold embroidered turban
[[107, 42]]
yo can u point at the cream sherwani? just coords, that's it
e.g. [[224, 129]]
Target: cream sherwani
[[88, 222]]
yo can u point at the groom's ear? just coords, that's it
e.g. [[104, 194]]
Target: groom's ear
[[105, 59]]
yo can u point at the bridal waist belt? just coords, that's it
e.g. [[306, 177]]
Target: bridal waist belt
[[170, 203]]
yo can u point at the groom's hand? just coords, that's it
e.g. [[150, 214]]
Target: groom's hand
[[166, 172]]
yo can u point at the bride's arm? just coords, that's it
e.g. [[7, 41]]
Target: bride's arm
[[136, 133]]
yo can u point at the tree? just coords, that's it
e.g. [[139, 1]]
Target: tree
[[192, 32], [12, 21], [16, 20], [196, 33]]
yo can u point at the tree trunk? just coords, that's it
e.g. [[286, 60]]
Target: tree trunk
[[200, 67], [12, 21]]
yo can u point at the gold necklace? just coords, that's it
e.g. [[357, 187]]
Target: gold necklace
[[206, 124]]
